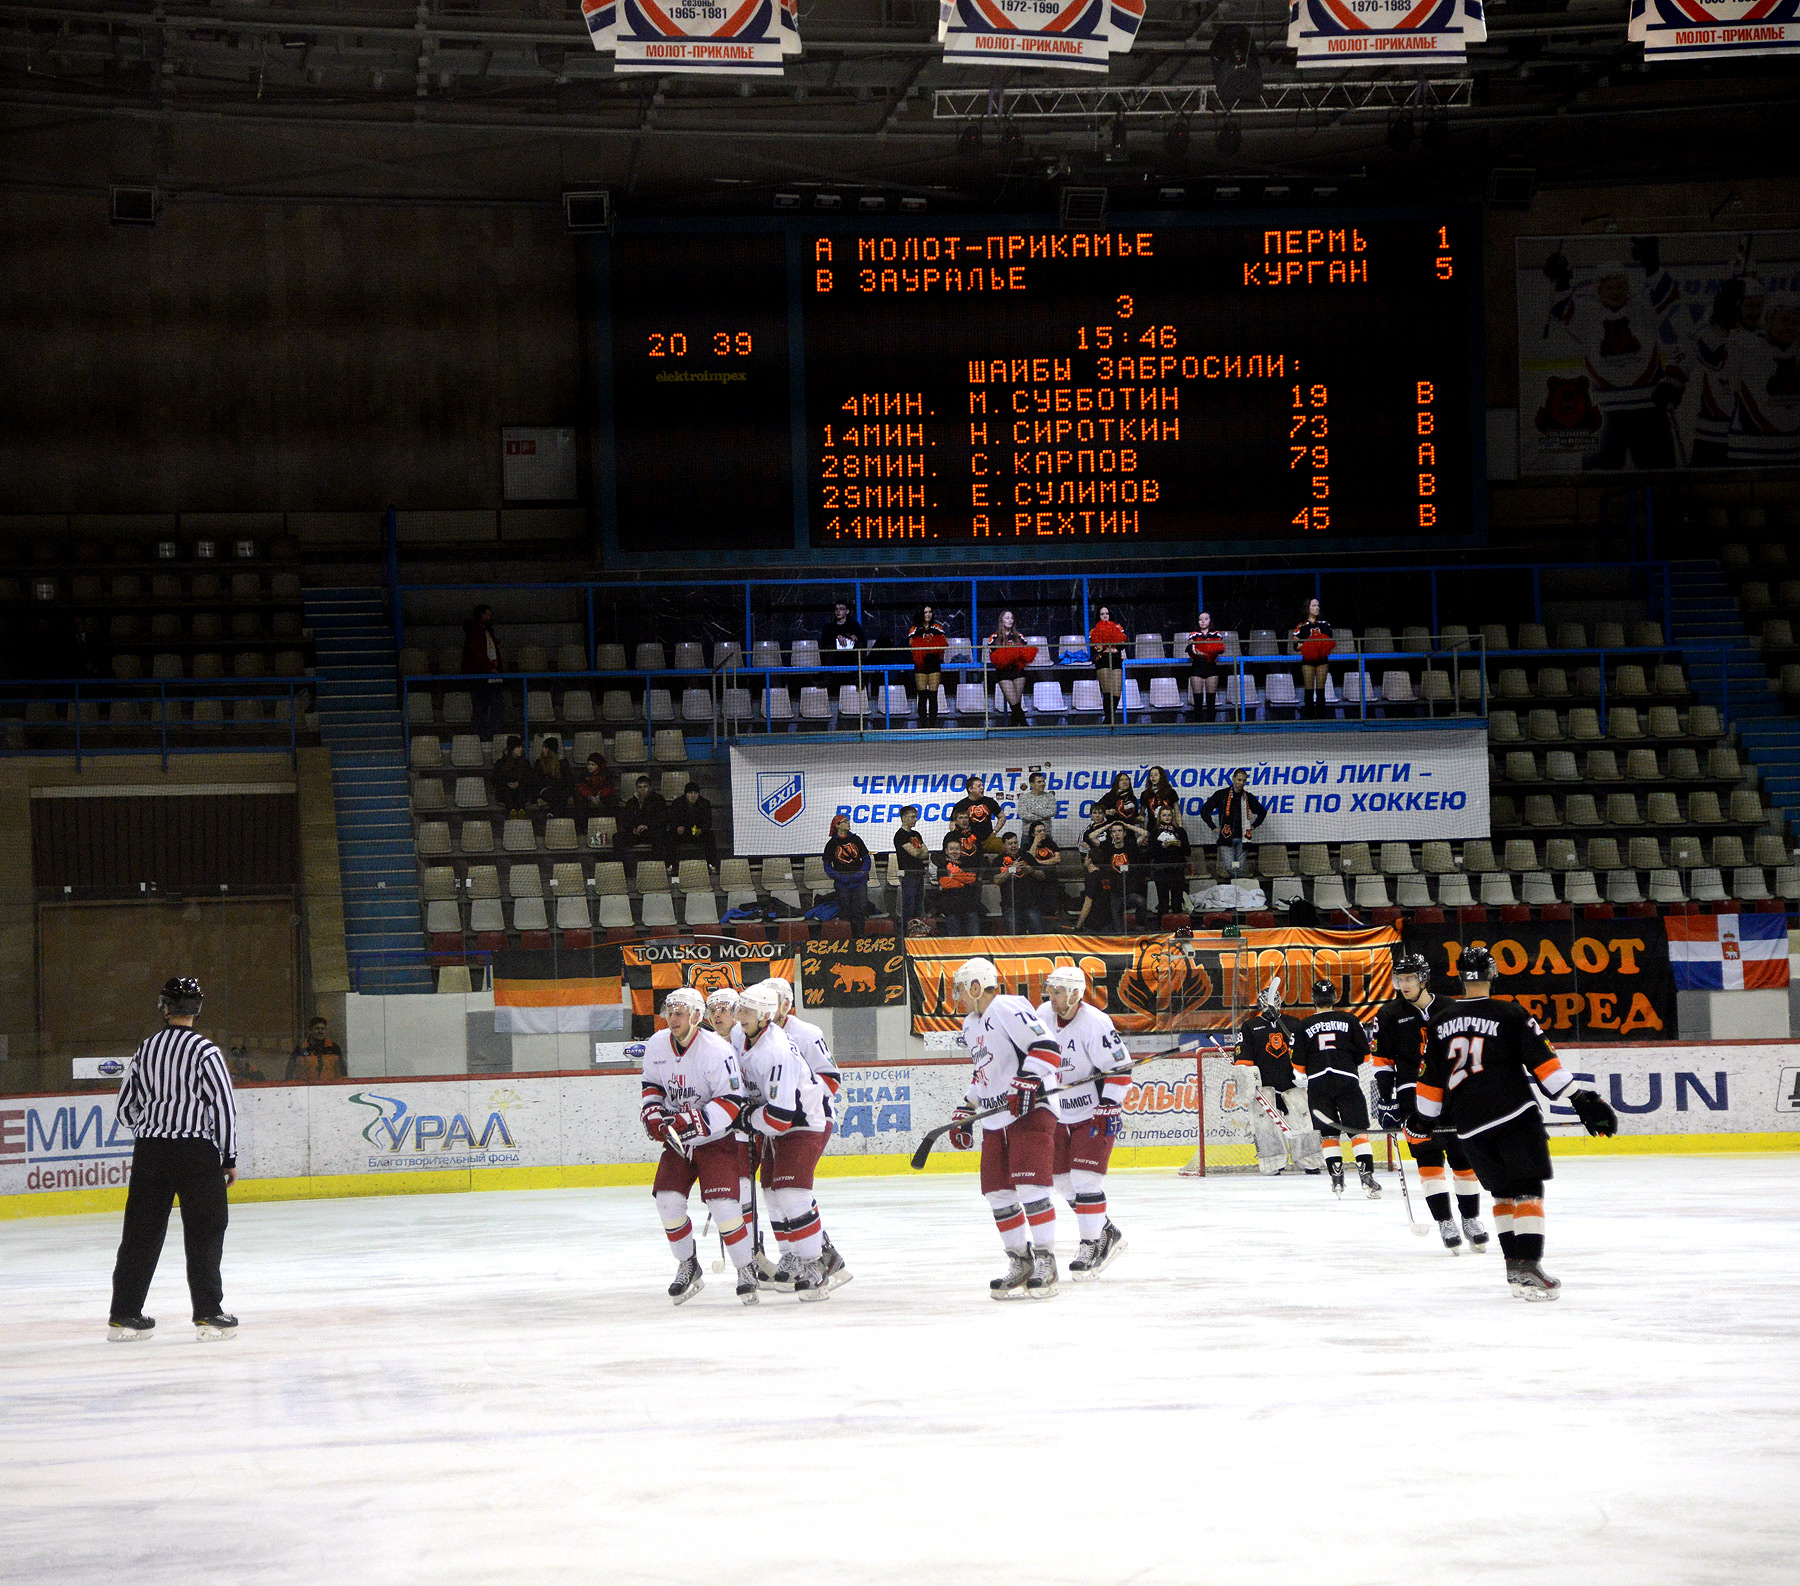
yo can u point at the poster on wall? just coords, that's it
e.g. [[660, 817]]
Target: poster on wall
[[655, 968], [1653, 351], [863, 972], [1582, 980], [1203, 980]]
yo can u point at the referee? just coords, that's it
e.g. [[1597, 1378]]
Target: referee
[[177, 1100]]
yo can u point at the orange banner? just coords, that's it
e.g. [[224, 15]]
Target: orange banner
[[1206, 981]]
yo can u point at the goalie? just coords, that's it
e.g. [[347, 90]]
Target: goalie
[[1264, 1066]]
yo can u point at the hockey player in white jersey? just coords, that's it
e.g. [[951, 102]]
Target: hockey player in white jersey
[[1090, 1113], [1765, 429], [790, 1110], [809, 1041], [1720, 348], [721, 1015], [693, 1094], [1016, 1061]]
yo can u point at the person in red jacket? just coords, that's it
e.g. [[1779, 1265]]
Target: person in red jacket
[[1106, 648], [481, 654]]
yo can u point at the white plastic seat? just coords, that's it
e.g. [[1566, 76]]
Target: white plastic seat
[[529, 914], [616, 705], [893, 703], [728, 653], [690, 657], [700, 908], [629, 748], [443, 916], [1622, 887], [572, 912], [739, 707], [467, 752], [659, 908], [1497, 890], [1279, 691], [428, 796], [1454, 893], [1047, 699], [815, 704], [571, 658], [853, 702], [697, 706], [1149, 647], [427, 754], [577, 705], [559, 835], [1412, 892], [669, 747], [471, 793], [613, 911], [805, 653], [662, 705], [487, 916], [1165, 693], [1134, 697], [779, 703], [971, 700], [1396, 688], [1087, 700], [649, 657], [518, 837], [959, 652], [766, 652], [524, 881], [1328, 893], [1397, 860], [609, 658], [1045, 657], [1537, 889], [1372, 893]]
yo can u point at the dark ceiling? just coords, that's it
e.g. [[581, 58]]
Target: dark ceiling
[[504, 100]]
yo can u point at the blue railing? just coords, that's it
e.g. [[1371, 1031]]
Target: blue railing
[[76, 728], [1648, 580]]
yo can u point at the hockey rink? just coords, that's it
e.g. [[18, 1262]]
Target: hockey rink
[[1267, 1386]]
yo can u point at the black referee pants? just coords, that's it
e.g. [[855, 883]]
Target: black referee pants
[[162, 1172]]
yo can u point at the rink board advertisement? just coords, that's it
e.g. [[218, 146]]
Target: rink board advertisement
[[1375, 785], [68, 1154], [1656, 351], [1202, 981], [1582, 980]]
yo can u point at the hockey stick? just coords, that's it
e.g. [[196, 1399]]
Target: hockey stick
[[1405, 1190], [932, 1136]]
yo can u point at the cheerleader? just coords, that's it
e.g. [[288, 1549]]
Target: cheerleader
[[1205, 645], [1106, 647], [1009, 653], [1312, 637], [928, 642]]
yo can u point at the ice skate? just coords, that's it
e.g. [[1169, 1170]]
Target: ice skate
[[1452, 1237], [1336, 1170], [218, 1325], [1475, 1234], [810, 1282], [1041, 1285], [776, 1275], [746, 1283], [688, 1281], [1532, 1282], [128, 1329], [765, 1268], [1365, 1174], [836, 1273], [1011, 1285], [1097, 1254]]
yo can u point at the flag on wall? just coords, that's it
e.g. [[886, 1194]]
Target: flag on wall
[[1728, 952], [702, 37], [1081, 34], [1674, 30], [547, 993], [1339, 32]]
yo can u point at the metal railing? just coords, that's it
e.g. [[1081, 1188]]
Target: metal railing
[[76, 725]]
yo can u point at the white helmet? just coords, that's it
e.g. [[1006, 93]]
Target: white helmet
[[725, 998], [684, 997], [1066, 978], [977, 974], [781, 988], [761, 1000]]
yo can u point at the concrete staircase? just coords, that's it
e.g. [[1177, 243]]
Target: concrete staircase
[[1726, 670], [359, 721]]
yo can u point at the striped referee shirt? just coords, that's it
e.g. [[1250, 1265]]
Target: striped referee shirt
[[178, 1088]]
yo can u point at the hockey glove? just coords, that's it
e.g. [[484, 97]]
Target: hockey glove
[[1027, 1092], [1109, 1119], [682, 1129], [1389, 1119], [962, 1138], [1420, 1127], [656, 1120], [1595, 1115]]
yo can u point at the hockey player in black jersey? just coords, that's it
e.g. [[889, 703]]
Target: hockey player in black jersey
[[1482, 1055], [1265, 1064], [1400, 1029], [1329, 1049]]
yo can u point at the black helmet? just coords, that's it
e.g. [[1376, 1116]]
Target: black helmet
[[1413, 964], [181, 996], [1324, 993], [1478, 964]]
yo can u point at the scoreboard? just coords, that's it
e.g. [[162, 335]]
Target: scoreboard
[[975, 387]]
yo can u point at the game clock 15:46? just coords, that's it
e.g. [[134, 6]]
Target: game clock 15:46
[[701, 456]]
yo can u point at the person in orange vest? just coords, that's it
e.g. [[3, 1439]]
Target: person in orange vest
[[316, 1059]]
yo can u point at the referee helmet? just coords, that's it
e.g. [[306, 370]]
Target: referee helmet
[[181, 997]]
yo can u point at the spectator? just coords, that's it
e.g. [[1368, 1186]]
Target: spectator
[[841, 641], [551, 784], [512, 777], [595, 793], [986, 816], [690, 828], [1312, 637], [959, 880], [1009, 653], [847, 862], [1205, 645], [1104, 894], [1034, 878], [1106, 649], [1159, 794], [481, 655], [316, 1059], [1234, 813], [643, 823], [914, 867], [237, 1059], [1166, 859], [1001, 870], [1037, 803], [928, 642], [1121, 803]]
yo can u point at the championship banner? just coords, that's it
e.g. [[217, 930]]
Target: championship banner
[[1372, 786], [865, 972], [1198, 982], [1658, 351], [544, 993], [1338, 32], [1676, 30], [1080, 34], [655, 968], [1582, 980], [700, 37]]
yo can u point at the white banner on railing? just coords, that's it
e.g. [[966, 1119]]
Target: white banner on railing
[[1080, 34], [1319, 786], [1340, 32], [705, 37]]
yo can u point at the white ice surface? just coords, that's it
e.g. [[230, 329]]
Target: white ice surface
[[1268, 1386]]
